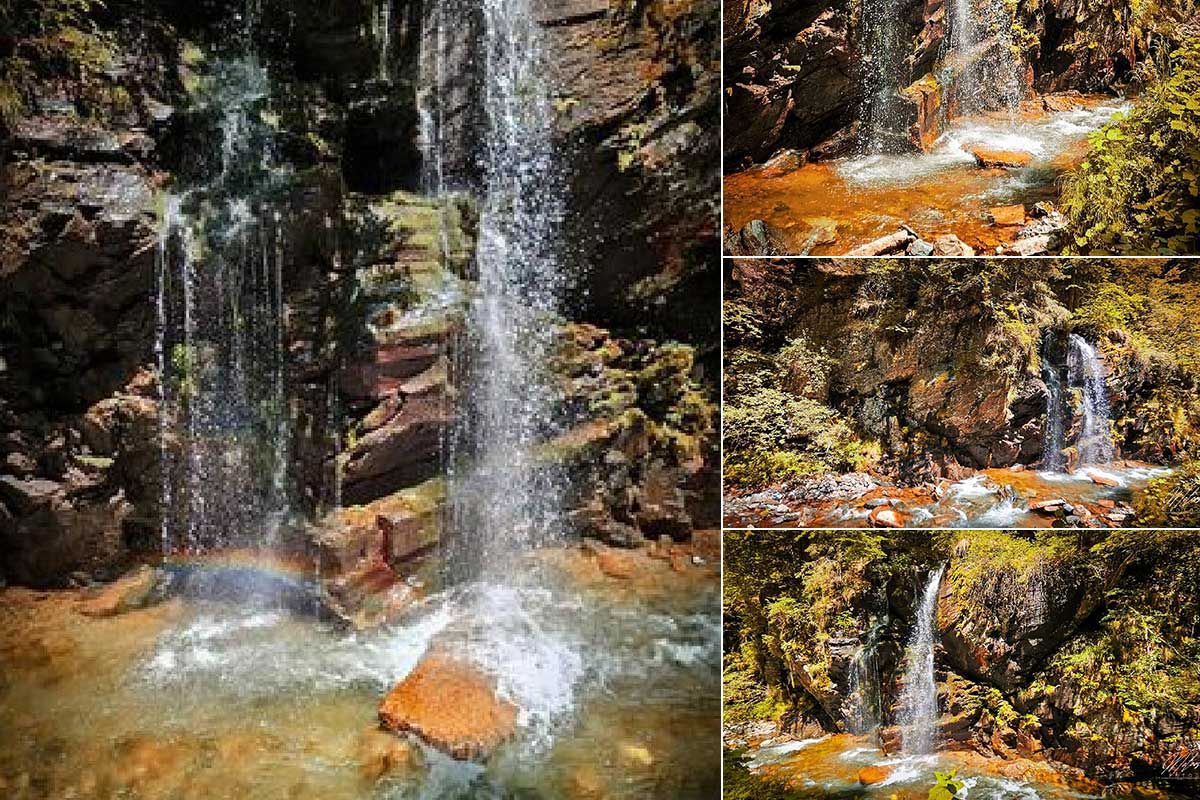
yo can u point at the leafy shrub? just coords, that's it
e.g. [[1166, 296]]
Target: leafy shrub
[[1136, 192], [771, 435], [1172, 500]]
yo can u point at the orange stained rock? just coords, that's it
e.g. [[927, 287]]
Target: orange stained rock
[[452, 706], [989, 158]]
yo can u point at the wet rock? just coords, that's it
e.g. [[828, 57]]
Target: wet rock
[[1007, 215], [869, 776], [885, 517], [1042, 209], [782, 163], [988, 158], [382, 754], [920, 249], [1102, 480], [452, 706], [758, 238], [950, 245], [838, 145], [925, 100], [805, 79], [141, 588]]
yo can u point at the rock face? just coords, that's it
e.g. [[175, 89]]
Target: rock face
[[893, 386], [377, 274], [791, 74], [452, 707]]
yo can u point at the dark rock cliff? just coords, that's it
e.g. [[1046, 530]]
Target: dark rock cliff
[[377, 269]]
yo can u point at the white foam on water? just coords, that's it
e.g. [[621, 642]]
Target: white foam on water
[[1042, 139], [773, 754]]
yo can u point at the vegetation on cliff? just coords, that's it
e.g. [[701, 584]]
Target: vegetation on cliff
[[1080, 644], [46, 39], [1138, 191], [835, 367]]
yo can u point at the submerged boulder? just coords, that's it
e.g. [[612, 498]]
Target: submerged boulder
[[140, 588], [452, 706]]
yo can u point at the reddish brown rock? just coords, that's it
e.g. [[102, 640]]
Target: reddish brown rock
[[615, 563], [450, 705], [868, 776], [1103, 480], [988, 158]]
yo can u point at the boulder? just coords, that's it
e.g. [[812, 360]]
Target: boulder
[[886, 517], [868, 776], [142, 587], [950, 245], [451, 706], [988, 158], [782, 163], [759, 238]]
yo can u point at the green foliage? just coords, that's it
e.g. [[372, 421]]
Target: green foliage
[[185, 369], [946, 786], [1111, 307], [49, 38], [1136, 192], [771, 435], [1173, 499], [740, 324]]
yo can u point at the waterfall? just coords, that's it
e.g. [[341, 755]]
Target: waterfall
[[1055, 434], [382, 29], [918, 712], [1086, 370], [502, 500], [864, 695], [881, 53], [983, 66], [220, 331]]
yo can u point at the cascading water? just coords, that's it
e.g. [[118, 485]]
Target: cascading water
[[1086, 371], [225, 427], [502, 499], [981, 63], [881, 54], [864, 695], [918, 712], [1054, 440]]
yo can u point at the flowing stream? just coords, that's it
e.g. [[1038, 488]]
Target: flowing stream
[[918, 705]]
